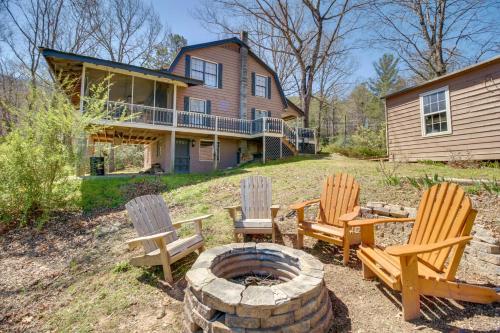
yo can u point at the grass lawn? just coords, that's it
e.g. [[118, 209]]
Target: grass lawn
[[95, 290]]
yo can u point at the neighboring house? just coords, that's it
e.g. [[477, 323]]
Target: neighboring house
[[217, 106], [455, 116]]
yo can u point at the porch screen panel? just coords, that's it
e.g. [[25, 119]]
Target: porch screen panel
[[121, 88], [93, 78], [164, 95], [143, 91]]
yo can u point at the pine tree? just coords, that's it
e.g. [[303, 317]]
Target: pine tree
[[387, 78]]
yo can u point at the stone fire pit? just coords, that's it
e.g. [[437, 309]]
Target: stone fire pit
[[286, 292]]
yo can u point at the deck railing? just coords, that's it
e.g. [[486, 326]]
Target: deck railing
[[136, 113]]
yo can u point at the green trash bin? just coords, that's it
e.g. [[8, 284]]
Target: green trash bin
[[97, 166]]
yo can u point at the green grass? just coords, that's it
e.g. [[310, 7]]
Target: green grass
[[108, 192], [105, 300]]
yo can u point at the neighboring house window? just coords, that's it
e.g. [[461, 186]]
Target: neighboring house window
[[207, 151], [260, 86], [205, 71], [435, 112], [197, 105]]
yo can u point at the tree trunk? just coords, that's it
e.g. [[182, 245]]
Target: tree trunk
[[321, 106]]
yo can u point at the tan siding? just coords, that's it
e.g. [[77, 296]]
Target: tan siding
[[274, 104], [225, 101], [475, 119]]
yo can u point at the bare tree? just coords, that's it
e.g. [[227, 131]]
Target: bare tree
[[125, 30], [12, 93], [332, 81], [31, 24], [309, 31], [433, 37]]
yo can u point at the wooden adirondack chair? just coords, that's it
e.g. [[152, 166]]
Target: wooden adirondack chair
[[157, 234], [338, 204], [428, 263], [257, 211]]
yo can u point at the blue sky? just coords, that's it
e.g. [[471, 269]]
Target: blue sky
[[177, 15]]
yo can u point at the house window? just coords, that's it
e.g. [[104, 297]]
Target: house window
[[260, 85], [206, 152], [260, 114], [435, 112], [197, 105], [205, 71]]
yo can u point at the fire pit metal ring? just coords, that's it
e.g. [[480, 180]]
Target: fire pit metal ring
[[296, 301]]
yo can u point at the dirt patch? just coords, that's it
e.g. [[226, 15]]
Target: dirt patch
[[71, 265], [73, 274]]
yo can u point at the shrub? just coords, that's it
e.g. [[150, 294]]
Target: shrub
[[40, 154], [363, 143]]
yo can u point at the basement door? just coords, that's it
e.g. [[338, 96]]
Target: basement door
[[181, 164]]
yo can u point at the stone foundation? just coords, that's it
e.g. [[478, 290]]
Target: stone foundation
[[300, 303]]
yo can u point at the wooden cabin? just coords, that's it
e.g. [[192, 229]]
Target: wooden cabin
[[452, 117]]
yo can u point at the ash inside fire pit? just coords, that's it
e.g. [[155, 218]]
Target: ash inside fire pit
[[258, 288], [256, 279]]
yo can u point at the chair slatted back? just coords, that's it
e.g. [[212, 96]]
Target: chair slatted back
[[340, 195], [444, 212], [256, 197], [149, 214]]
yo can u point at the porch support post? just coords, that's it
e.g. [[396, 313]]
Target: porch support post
[[216, 144], [172, 152], [82, 89], [297, 138], [316, 141], [264, 148], [281, 146], [174, 120], [216, 151]]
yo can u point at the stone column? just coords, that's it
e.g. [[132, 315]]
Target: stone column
[[243, 76]]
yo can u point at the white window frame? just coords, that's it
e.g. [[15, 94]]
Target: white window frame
[[260, 110], [204, 73], [198, 99], [448, 112], [266, 82], [214, 146]]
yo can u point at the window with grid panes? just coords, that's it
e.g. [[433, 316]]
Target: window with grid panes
[[205, 71], [435, 112], [260, 86]]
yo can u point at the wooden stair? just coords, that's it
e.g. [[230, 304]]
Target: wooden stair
[[290, 146]]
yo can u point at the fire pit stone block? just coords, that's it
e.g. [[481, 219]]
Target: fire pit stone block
[[256, 288]]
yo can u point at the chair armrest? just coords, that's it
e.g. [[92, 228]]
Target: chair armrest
[[304, 204], [274, 211], [352, 215], [136, 242], [235, 207], [192, 220], [409, 250], [232, 211], [195, 220], [360, 223]]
